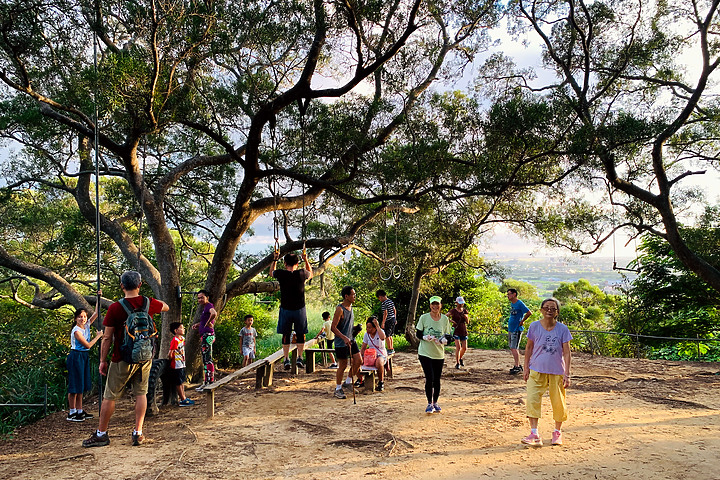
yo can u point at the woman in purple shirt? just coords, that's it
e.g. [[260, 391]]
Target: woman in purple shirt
[[547, 368]]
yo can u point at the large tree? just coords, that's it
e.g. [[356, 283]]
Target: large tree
[[633, 90], [211, 115]]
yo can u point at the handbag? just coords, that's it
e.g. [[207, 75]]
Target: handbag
[[370, 357]]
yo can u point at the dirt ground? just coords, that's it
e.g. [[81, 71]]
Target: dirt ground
[[629, 418]]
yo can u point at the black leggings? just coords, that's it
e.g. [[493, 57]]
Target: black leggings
[[432, 369]]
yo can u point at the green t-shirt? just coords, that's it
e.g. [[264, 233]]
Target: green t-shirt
[[437, 329]]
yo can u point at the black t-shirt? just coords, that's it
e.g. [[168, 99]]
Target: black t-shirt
[[292, 288]]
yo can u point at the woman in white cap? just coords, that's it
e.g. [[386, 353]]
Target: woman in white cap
[[459, 319], [431, 330]]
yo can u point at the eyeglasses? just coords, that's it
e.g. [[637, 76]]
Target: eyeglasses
[[550, 309]]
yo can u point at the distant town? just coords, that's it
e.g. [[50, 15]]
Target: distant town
[[547, 273]]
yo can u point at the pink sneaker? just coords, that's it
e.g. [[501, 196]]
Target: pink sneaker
[[533, 440], [557, 438]]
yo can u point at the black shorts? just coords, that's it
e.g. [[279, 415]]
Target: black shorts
[[177, 376], [390, 325], [341, 353]]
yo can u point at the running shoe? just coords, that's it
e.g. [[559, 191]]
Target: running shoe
[[286, 364], [533, 440], [347, 384], [359, 382], [462, 364], [437, 408], [86, 415], [457, 366], [339, 393], [187, 403], [391, 351], [430, 408], [137, 439], [96, 440], [75, 417], [300, 363], [380, 386], [515, 370], [333, 365], [557, 438]]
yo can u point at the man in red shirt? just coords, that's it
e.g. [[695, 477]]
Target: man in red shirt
[[119, 373]]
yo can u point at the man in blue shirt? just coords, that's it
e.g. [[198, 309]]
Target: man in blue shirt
[[518, 314]]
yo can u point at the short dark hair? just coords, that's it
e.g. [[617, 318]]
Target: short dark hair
[[346, 291], [380, 293], [371, 318], [326, 314], [291, 259], [174, 326], [204, 292], [249, 316], [130, 280], [512, 290]]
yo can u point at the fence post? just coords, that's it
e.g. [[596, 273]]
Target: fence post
[[45, 404], [697, 335]]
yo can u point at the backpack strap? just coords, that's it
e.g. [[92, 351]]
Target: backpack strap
[[126, 305]]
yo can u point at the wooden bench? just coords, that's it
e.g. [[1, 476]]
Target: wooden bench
[[263, 373], [310, 357]]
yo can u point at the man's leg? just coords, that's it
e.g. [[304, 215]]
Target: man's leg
[[516, 357], [106, 411], [340, 372]]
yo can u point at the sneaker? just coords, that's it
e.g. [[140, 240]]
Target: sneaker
[[75, 417], [201, 387], [391, 351], [380, 386], [339, 393], [138, 439], [359, 382], [557, 438], [347, 384], [333, 365], [187, 403], [430, 408], [515, 370], [437, 408], [457, 366], [96, 440], [300, 363], [86, 415], [286, 364], [462, 364], [533, 440]]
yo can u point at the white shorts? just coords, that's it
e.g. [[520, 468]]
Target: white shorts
[[248, 352]]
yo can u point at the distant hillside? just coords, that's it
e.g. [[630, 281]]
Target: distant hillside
[[546, 273]]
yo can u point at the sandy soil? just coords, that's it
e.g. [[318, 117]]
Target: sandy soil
[[628, 419]]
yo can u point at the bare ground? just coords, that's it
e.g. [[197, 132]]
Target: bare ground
[[629, 418]]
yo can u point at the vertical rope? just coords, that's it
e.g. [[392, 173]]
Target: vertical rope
[[97, 204], [302, 169]]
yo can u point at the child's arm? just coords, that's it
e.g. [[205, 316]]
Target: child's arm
[[80, 338], [528, 353], [566, 356]]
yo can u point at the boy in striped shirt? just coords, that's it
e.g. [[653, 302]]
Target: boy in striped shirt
[[389, 319]]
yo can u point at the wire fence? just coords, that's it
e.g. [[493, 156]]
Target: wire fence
[[45, 403], [598, 342]]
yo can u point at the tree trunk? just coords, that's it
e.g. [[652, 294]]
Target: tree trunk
[[412, 307]]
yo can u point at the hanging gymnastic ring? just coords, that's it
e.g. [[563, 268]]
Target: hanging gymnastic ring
[[383, 276], [397, 271]]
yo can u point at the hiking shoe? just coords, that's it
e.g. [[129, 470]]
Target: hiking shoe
[[75, 417], [286, 364], [187, 403], [533, 440], [436, 408], [86, 415], [339, 393], [96, 440], [380, 386], [462, 364], [300, 363], [333, 365], [457, 366], [138, 439], [430, 408], [557, 438]]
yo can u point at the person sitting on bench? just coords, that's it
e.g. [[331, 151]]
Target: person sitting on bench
[[374, 339]]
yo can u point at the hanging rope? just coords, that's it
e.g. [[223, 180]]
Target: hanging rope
[[303, 108], [272, 186], [97, 205], [142, 204], [397, 269]]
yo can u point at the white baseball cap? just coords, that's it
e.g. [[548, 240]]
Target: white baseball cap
[[460, 300]]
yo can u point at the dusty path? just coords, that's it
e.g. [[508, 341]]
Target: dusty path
[[629, 419]]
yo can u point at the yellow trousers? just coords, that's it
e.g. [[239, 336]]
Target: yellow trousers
[[537, 385]]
